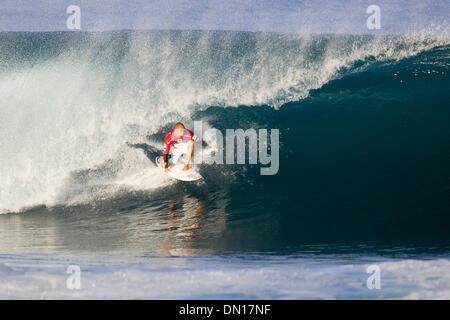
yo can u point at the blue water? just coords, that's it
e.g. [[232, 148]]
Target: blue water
[[363, 177]]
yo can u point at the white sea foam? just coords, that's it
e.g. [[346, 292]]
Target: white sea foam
[[244, 277]]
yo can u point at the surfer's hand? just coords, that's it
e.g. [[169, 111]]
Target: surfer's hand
[[167, 170], [186, 167]]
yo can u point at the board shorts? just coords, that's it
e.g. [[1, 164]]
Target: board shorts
[[179, 153]]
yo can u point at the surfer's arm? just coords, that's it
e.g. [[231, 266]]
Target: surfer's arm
[[167, 143], [166, 161], [166, 156], [190, 151]]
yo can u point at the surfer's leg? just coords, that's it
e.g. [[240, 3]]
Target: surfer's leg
[[176, 154]]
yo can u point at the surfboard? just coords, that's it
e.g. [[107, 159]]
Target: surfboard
[[176, 172]]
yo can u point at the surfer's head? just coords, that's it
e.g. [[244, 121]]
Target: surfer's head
[[179, 130]]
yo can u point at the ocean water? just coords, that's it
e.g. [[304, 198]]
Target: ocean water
[[364, 175]]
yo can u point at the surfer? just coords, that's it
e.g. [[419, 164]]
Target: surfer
[[182, 141]]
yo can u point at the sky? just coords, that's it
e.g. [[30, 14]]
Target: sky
[[313, 16]]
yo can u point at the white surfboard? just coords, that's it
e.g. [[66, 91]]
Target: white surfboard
[[176, 172]]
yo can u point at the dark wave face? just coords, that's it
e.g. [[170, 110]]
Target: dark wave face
[[364, 141]]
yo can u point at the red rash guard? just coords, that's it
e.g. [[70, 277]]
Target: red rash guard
[[171, 140]]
